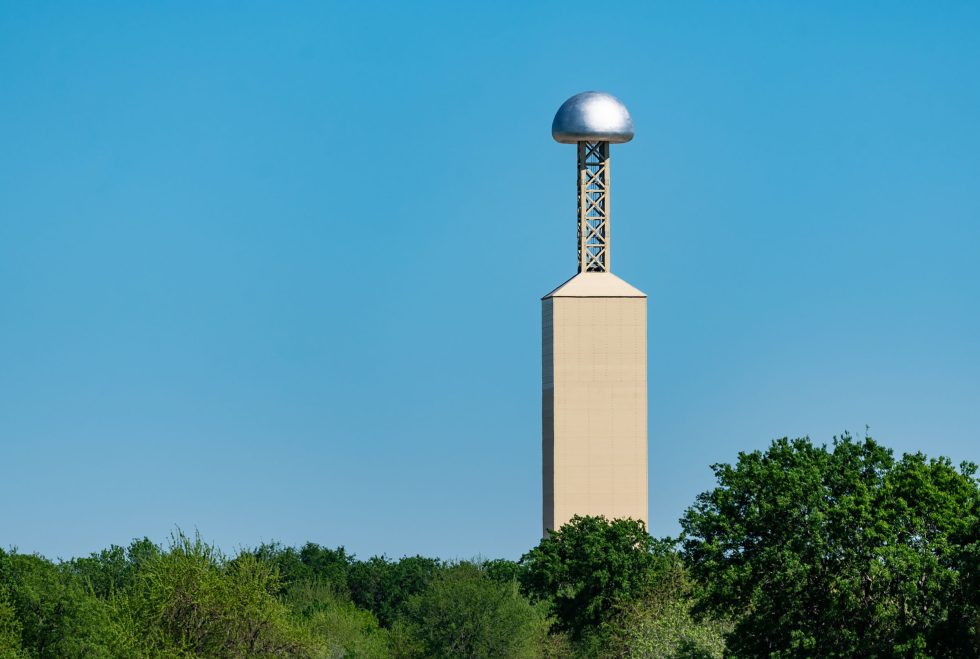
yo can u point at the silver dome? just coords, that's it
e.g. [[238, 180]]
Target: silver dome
[[592, 117]]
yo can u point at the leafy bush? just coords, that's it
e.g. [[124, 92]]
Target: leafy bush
[[343, 629], [211, 607], [660, 623], [464, 613]]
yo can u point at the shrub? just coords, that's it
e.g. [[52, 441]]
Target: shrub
[[464, 613]]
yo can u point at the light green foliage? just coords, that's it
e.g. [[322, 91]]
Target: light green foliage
[[211, 607], [660, 624], [654, 628], [842, 552], [587, 568], [10, 628], [464, 613], [343, 629]]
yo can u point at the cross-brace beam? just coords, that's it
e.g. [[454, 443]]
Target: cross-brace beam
[[593, 206]]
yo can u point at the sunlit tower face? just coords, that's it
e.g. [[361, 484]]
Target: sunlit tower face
[[594, 386]]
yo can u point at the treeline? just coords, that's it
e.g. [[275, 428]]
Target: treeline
[[799, 551]]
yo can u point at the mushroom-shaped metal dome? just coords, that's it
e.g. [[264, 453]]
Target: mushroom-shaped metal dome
[[592, 117]]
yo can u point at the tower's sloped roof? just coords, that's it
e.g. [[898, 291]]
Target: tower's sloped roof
[[595, 284]]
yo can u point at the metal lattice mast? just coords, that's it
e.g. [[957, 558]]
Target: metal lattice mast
[[592, 121], [593, 207]]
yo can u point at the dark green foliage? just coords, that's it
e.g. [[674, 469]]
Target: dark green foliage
[[383, 586], [35, 591], [970, 560], [464, 613], [842, 552], [378, 584], [113, 570], [502, 570], [588, 567], [57, 616], [327, 566]]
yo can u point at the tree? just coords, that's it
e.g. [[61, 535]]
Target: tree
[[588, 567], [842, 552], [344, 629], [112, 570], [326, 566], [195, 599], [58, 616], [464, 613], [660, 624], [970, 558], [10, 628], [382, 586], [502, 570]]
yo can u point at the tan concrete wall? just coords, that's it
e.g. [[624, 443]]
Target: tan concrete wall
[[594, 408]]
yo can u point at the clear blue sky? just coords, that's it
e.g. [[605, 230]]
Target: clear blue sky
[[272, 270]]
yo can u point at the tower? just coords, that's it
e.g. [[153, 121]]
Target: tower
[[594, 374]]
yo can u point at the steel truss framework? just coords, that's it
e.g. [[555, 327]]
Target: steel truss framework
[[593, 206]]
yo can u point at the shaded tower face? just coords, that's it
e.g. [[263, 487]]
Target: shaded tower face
[[594, 381]]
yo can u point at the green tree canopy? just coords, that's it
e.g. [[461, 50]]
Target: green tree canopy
[[310, 562], [56, 615], [660, 624], [206, 605], [112, 570], [838, 552], [465, 613], [383, 586], [587, 567]]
